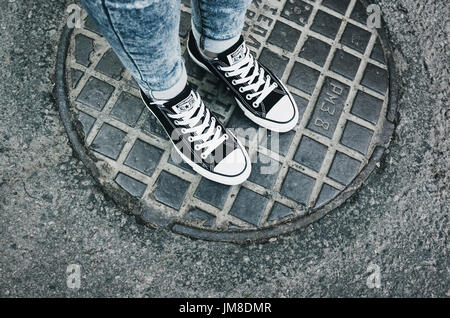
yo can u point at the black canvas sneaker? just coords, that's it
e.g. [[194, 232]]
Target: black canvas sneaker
[[258, 92], [200, 139]]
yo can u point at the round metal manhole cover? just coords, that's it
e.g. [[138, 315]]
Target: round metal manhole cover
[[338, 70]]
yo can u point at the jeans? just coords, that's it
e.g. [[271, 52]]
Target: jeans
[[144, 35]]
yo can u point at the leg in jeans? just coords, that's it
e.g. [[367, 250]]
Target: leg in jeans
[[144, 35], [217, 24], [216, 44]]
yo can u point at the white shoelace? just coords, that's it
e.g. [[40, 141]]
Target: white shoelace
[[242, 70], [187, 118]]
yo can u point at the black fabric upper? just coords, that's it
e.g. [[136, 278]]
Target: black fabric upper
[[222, 60]]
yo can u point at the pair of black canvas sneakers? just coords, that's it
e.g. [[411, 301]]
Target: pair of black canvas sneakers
[[199, 138]]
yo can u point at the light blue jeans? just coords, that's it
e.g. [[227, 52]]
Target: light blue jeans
[[144, 35]]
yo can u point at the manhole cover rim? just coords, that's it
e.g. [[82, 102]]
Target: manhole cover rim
[[236, 236]]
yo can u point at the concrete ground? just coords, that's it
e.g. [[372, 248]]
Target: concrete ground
[[53, 215]]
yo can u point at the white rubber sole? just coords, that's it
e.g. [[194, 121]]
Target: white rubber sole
[[277, 127], [235, 180]]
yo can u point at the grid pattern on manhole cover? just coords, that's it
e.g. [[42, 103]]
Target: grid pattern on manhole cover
[[331, 63]]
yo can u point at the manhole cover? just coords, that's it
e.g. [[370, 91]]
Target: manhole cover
[[337, 69]]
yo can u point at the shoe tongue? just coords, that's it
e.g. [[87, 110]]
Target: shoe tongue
[[183, 102], [185, 105], [234, 54]]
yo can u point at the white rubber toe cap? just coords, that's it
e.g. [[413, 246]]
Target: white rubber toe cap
[[234, 164], [283, 111]]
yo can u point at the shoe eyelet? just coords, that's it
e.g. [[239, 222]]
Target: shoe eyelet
[[176, 122], [225, 136], [256, 105], [233, 82], [183, 130], [190, 139], [197, 147], [241, 89], [219, 128], [276, 85], [227, 74], [248, 97], [203, 156]]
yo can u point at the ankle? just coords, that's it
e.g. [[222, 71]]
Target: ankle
[[169, 93], [209, 54], [210, 47]]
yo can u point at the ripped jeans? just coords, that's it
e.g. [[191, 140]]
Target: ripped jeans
[[144, 35]]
